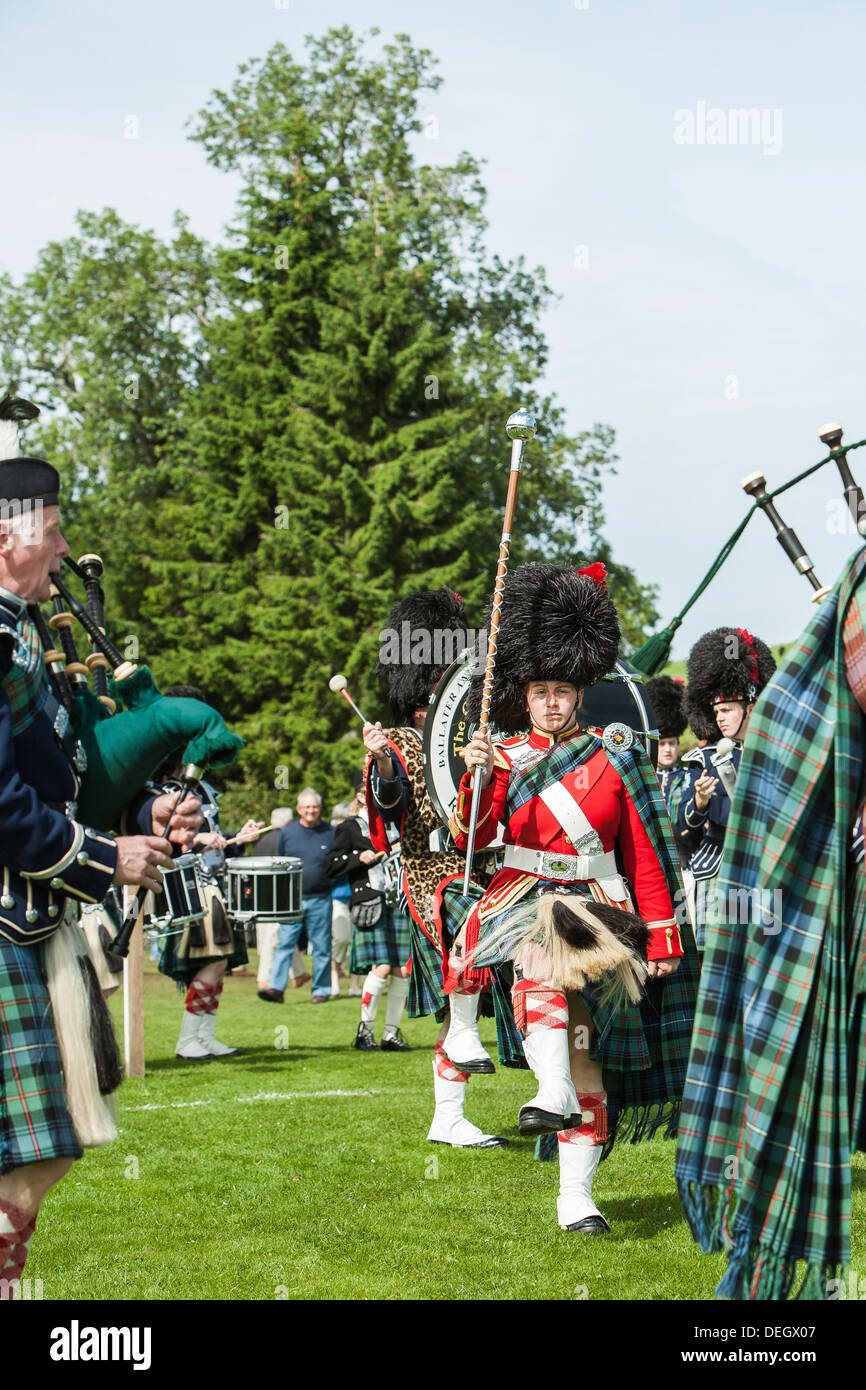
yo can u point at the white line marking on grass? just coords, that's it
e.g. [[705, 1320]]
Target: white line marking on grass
[[263, 1095]]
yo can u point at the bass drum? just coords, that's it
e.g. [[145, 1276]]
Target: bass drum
[[619, 698]]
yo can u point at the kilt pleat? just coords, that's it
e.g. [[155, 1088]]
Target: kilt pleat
[[386, 943], [34, 1121]]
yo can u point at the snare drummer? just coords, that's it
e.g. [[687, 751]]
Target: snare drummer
[[202, 967]]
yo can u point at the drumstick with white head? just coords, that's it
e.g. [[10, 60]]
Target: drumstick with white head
[[339, 685]]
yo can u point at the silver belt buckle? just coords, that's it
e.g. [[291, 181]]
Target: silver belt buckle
[[558, 866]]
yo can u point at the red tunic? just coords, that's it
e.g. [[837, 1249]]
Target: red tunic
[[604, 800]]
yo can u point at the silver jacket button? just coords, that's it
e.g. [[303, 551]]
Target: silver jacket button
[[57, 883], [31, 914], [6, 901], [83, 858], [53, 910]]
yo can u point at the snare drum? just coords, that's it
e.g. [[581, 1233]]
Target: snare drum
[[182, 898], [268, 889], [392, 872]]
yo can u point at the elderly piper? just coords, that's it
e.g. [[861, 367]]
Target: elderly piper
[[51, 1081]]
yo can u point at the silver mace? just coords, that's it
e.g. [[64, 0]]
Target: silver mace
[[339, 685], [520, 427], [831, 435]]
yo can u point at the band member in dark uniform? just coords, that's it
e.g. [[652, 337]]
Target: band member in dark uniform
[[381, 930], [727, 670]]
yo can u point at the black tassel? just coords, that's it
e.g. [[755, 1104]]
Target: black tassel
[[106, 940], [627, 927], [219, 924], [630, 929], [109, 1068], [197, 937], [572, 929]]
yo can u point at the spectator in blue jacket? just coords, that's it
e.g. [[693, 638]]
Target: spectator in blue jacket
[[309, 839]]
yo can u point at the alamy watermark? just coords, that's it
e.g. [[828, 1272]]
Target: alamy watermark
[[420, 646], [758, 907], [738, 125], [23, 518]]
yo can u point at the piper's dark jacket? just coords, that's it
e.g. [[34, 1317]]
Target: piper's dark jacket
[[706, 827], [46, 856], [350, 840]]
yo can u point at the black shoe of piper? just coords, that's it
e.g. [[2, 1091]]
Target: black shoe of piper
[[271, 996], [395, 1042], [589, 1226], [364, 1040]]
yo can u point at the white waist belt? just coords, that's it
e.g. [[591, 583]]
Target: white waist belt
[[569, 868]]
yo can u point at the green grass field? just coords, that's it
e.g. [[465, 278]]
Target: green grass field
[[300, 1170]]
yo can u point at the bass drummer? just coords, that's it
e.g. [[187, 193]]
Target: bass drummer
[[197, 958]]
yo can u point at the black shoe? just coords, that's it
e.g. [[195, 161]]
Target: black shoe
[[364, 1040], [271, 996], [531, 1120], [589, 1226], [395, 1042], [490, 1141], [485, 1068]]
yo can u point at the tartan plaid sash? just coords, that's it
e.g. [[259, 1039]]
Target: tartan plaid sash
[[544, 768], [773, 1105], [26, 685]]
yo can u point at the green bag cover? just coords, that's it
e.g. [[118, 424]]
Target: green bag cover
[[125, 749]]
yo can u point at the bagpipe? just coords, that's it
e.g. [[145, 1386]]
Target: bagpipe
[[124, 725], [655, 652]]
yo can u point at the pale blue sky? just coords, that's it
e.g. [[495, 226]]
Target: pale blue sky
[[703, 262]]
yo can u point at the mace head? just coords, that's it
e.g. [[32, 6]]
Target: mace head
[[521, 425], [337, 683]]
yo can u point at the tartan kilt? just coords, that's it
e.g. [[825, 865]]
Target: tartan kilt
[[856, 956], [181, 967], [643, 1049], [386, 943], [426, 993], [34, 1121]]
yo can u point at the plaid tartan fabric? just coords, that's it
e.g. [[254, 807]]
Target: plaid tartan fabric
[[34, 1120], [183, 970], [544, 767], [386, 943], [26, 685], [426, 995], [766, 1134]]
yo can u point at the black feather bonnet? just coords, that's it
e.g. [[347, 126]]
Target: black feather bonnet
[[557, 624], [424, 633]]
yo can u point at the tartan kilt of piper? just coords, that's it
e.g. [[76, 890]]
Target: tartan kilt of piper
[[385, 943], [34, 1121], [855, 954]]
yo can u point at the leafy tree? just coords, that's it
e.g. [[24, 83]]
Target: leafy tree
[[319, 425]]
